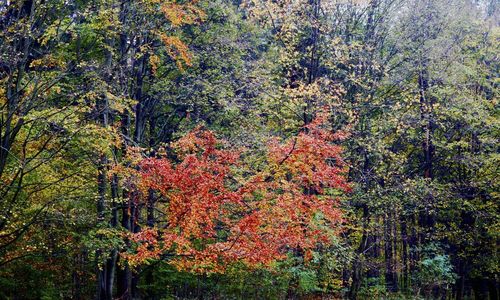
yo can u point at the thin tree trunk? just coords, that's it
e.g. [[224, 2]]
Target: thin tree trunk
[[357, 268], [390, 278], [404, 250], [123, 273]]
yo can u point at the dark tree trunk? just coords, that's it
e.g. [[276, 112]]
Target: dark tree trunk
[[103, 285], [493, 286], [426, 116], [123, 273], [390, 274], [426, 218], [404, 250], [357, 268], [105, 276]]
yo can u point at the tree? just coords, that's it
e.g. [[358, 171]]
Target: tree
[[212, 222]]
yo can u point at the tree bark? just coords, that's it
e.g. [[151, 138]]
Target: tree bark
[[404, 250], [390, 274], [357, 268]]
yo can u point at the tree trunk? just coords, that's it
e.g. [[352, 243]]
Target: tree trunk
[[426, 115], [427, 122], [357, 268], [390, 275], [404, 250]]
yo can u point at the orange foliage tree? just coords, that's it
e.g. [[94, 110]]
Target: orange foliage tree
[[215, 216], [178, 14]]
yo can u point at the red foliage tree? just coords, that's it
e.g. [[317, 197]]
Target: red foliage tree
[[212, 219]]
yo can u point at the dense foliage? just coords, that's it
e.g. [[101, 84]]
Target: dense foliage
[[250, 149]]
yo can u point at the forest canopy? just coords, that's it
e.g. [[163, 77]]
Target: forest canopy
[[249, 149]]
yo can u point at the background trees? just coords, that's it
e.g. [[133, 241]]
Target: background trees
[[99, 100]]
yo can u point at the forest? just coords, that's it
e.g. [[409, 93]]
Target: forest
[[249, 149]]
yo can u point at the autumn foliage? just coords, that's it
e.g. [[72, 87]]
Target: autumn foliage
[[179, 14], [214, 215]]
